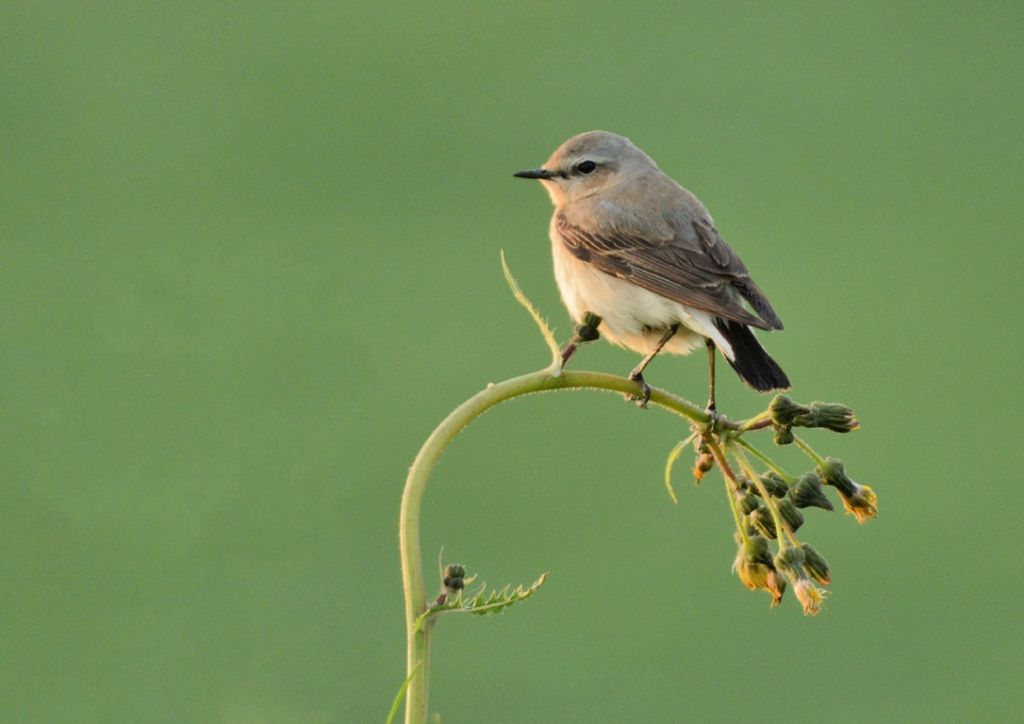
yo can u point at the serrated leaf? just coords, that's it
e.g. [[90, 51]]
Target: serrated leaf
[[482, 602], [498, 601]]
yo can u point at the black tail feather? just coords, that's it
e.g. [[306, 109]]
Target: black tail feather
[[751, 362]]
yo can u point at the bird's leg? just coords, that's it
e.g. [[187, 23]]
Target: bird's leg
[[585, 332], [711, 377], [637, 375]]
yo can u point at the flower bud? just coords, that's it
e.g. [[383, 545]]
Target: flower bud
[[452, 582], [454, 579], [816, 565], [785, 412], [863, 503], [832, 473], [791, 562], [763, 521], [857, 499], [783, 436], [587, 332], [754, 567], [792, 517], [807, 492], [838, 418], [705, 461], [749, 503], [774, 484]]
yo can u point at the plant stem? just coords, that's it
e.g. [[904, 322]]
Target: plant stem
[[818, 460], [764, 458], [418, 638], [781, 529]]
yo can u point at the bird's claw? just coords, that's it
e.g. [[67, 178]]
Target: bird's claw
[[644, 397], [713, 418]]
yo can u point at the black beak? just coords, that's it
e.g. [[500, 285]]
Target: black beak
[[535, 173]]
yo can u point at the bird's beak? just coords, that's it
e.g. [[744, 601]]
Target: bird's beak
[[540, 173]]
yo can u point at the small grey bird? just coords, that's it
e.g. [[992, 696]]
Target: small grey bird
[[641, 252]]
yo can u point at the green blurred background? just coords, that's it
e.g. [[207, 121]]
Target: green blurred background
[[250, 259]]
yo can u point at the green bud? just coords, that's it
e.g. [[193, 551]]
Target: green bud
[[791, 562], [783, 435], [807, 492], [835, 417], [755, 569], [756, 549], [774, 484], [763, 521], [453, 580], [749, 503], [832, 473], [785, 411], [790, 515], [816, 565]]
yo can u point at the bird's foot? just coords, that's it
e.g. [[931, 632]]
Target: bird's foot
[[644, 397], [713, 417]]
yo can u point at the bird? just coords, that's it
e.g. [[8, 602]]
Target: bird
[[638, 260]]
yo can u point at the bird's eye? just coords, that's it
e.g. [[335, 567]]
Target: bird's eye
[[586, 167]]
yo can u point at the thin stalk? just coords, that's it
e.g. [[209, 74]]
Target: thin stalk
[[736, 515], [762, 419], [818, 460], [780, 525], [765, 459], [418, 638], [730, 490]]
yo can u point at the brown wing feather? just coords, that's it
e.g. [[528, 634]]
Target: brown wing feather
[[696, 268]]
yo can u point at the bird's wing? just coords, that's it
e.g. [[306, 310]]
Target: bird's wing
[[694, 266]]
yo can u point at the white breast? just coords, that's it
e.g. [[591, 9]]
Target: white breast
[[631, 316]]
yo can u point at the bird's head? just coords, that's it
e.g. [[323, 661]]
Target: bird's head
[[588, 164]]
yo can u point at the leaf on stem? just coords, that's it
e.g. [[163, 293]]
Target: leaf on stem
[[670, 463], [483, 602], [542, 325]]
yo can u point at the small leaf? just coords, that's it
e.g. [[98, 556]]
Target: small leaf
[[670, 463], [549, 337], [498, 601], [482, 601], [400, 696]]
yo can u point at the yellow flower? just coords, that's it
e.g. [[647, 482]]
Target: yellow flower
[[810, 596], [858, 499], [862, 502], [754, 567]]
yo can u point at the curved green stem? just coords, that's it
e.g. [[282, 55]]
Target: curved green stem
[[418, 637]]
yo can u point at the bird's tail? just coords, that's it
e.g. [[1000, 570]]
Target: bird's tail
[[749, 359]]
